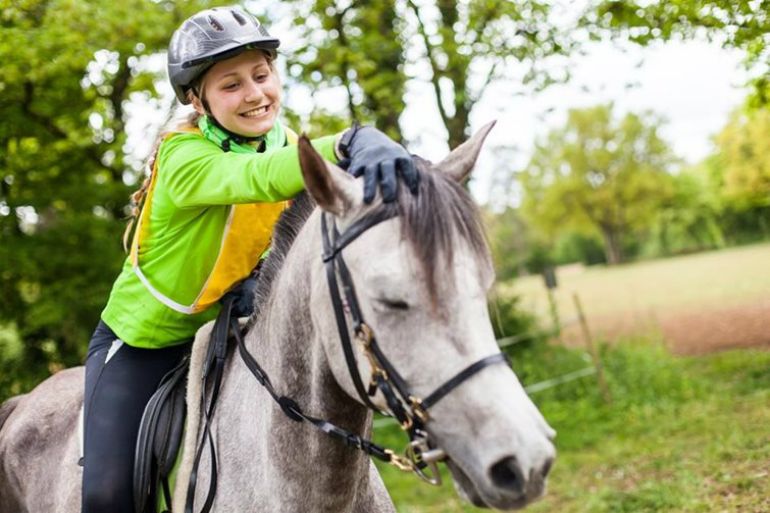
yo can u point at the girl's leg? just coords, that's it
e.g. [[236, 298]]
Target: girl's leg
[[120, 379]]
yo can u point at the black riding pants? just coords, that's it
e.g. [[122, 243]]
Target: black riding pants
[[120, 379]]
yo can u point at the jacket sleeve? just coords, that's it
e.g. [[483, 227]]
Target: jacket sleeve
[[197, 173]]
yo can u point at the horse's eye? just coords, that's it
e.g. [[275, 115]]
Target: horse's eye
[[394, 304]]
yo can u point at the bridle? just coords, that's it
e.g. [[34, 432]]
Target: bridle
[[410, 410], [420, 456]]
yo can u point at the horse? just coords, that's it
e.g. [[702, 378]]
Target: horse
[[421, 276]]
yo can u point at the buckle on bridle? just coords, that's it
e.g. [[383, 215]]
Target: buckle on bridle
[[415, 404], [424, 460]]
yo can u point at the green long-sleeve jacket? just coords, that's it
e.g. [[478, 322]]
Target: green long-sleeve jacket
[[185, 217]]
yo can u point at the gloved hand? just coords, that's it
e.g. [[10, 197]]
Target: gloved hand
[[380, 160], [243, 294]]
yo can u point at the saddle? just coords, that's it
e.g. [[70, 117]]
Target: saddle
[[160, 436]]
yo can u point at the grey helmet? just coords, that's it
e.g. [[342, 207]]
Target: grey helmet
[[211, 36]]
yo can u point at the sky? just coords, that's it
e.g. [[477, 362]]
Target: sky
[[693, 85]]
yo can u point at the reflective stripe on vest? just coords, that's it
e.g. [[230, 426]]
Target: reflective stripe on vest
[[246, 237]]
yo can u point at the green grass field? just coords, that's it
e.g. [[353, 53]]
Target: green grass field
[[699, 303], [682, 435], [729, 277]]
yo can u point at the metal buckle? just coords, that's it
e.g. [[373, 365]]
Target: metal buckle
[[418, 452], [415, 404], [400, 462]]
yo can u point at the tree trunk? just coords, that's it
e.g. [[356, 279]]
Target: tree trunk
[[613, 245]]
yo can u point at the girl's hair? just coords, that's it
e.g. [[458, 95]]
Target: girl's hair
[[188, 123]]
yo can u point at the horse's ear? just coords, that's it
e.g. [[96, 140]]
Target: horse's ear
[[332, 188], [459, 163]]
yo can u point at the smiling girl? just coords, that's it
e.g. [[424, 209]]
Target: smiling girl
[[217, 186]]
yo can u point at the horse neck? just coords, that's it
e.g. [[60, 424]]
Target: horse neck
[[289, 348]]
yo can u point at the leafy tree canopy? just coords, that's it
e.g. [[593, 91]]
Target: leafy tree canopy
[[735, 24], [372, 48], [744, 158], [600, 175], [69, 71]]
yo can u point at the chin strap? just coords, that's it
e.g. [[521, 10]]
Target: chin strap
[[232, 137]]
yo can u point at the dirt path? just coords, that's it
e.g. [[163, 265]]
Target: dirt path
[[688, 332]]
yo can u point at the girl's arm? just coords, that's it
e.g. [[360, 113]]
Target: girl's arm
[[195, 172]]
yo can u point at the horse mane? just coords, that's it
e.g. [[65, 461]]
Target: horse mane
[[441, 212], [286, 229]]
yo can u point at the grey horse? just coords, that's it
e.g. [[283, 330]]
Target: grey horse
[[426, 301]]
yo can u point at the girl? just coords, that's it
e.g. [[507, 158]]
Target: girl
[[218, 184]]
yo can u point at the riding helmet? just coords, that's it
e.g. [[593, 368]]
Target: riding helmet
[[209, 37]]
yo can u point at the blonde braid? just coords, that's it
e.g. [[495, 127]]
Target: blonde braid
[[137, 197]]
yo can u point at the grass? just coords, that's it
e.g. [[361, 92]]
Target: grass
[[682, 435], [729, 277]]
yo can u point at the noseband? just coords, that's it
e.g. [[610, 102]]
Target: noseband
[[411, 411]]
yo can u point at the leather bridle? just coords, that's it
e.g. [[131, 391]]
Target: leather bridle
[[421, 456], [411, 411]]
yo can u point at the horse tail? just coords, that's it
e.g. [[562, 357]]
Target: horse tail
[[7, 408]]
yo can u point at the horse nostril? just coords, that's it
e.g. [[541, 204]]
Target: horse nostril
[[546, 467], [506, 474]]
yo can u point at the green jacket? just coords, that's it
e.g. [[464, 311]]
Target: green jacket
[[196, 185]]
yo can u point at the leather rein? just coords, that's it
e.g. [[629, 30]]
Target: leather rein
[[420, 456]]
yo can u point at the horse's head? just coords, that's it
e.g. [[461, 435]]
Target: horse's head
[[421, 280]]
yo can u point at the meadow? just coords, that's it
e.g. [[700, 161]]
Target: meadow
[[688, 427], [697, 303]]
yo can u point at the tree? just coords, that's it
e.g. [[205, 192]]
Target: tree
[[353, 45], [744, 155], [598, 175], [735, 24], [689, 219], [69, 71], [368, 47], [509, 241]]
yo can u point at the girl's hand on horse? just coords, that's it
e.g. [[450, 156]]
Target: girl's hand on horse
[[379, 159]]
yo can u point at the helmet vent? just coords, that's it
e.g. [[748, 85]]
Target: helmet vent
[[240, 19], [215, 24]]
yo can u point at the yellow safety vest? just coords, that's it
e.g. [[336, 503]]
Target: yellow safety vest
[[245, 239]]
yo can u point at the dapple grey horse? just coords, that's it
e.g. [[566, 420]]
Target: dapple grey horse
[[421, 279]]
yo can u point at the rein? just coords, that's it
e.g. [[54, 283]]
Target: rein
[[420, 456]]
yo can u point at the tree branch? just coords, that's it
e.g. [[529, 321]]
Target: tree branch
[[340, 26], [487, 81], [433, 64]]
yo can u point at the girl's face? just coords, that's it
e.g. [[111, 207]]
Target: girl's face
[[243, 94]]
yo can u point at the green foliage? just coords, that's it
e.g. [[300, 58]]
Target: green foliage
[[578, 247], [689, 220], [510, 242], [682, 434], [734, 24], [744, 158], [510, 319], [598, 175], [69, 68], [368, 49]]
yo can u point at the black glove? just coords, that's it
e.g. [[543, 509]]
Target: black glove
[[243, 294], [373, 154]]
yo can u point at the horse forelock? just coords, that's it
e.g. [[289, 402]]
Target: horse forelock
[[441, 216], [434, 221]]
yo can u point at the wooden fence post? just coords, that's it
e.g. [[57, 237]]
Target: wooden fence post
[[589, 341]]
